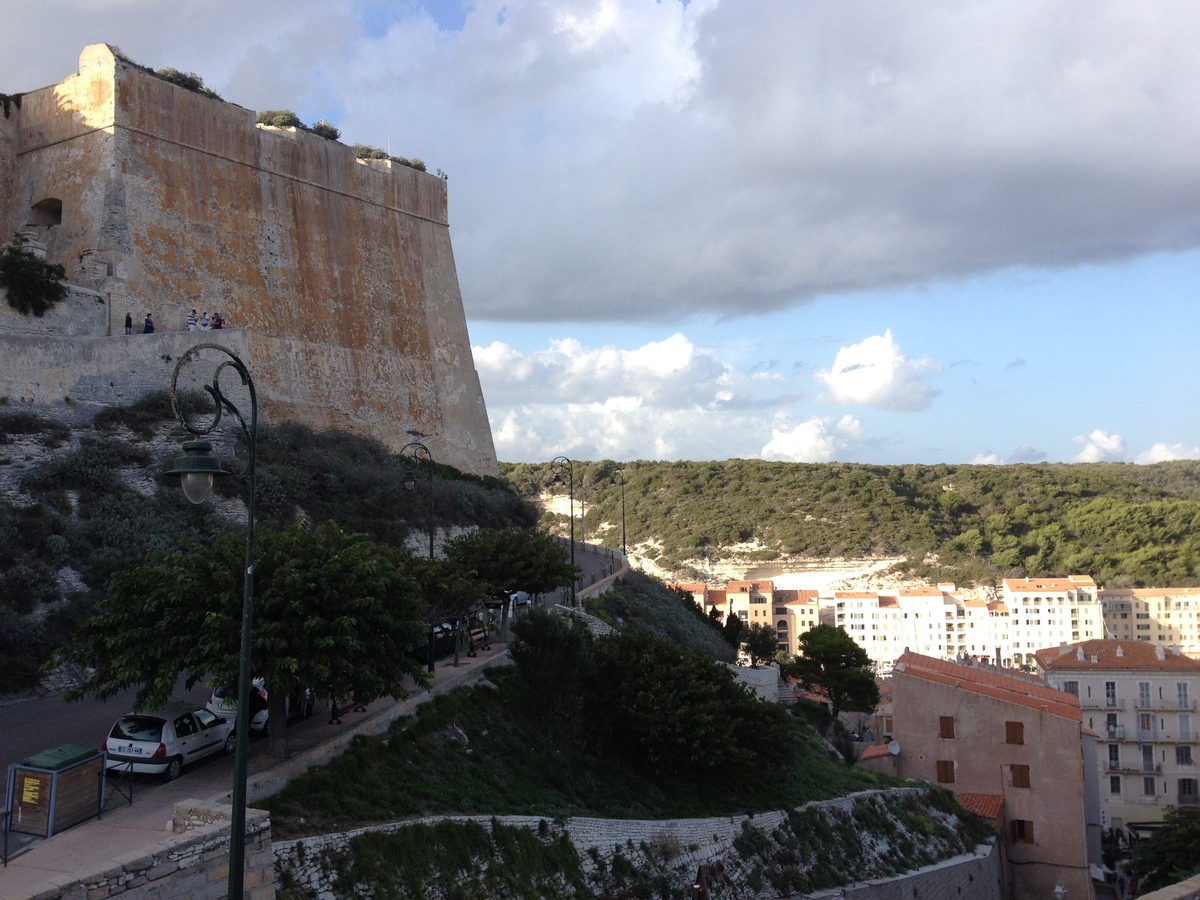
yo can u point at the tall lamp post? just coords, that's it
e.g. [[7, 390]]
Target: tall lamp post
[[619, 478], [558, 466], [196, 468], [420, 452]]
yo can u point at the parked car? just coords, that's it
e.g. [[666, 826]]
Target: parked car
[[162, 743], [444, 636], [223, 702], [518, 598]]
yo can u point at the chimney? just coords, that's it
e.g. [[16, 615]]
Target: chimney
[[1079, 654], [1160, 651], [1120, 651]]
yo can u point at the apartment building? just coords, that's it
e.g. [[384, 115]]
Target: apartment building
[[1045, 612], [1011, 748], [1141, 699], [791, 612], [1168, 616]]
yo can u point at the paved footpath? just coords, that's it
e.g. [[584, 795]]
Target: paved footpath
[[88, 848]]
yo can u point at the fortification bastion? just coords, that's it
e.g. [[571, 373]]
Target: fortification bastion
[[336, 275]]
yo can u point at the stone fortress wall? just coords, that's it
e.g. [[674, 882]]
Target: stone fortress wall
[[339, 273]]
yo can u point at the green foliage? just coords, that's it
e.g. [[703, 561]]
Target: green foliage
[[484, 751], [188, 81], [279, 118], [366, 151], [50, 433], [146, 415], [829, 659], [1125, 525], [1172, 853], [638, 600], [733, 631], [323, 128], [761, 643], [33, 285], [666, 710], [330, 609], [8, 101], [553, 654], [462, 860], [513, 559]]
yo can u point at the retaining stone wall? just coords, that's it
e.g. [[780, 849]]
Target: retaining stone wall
[[688, 843]]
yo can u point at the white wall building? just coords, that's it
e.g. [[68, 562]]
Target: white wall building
[[1141, 699], [1168, 616]]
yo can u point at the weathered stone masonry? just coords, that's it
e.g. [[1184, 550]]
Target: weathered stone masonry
[[157, 199]]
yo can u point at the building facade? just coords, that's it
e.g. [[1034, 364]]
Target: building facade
[[1140, 698], [1169, 616], [1005, 743]]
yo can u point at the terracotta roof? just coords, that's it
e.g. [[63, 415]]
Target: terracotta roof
[[875, 752], [888, 602], [855, 595], [715, 597], [986, 805], [998, 606], [1114, 654], [975, 603], [990, 683], [926, 591], [795, 595], [692, 587], [1139, 593], [1029, 585]]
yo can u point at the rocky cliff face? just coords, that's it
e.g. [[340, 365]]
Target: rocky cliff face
[[161, 200]]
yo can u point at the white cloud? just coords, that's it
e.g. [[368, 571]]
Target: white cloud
[[1100, 445], [1162, 452], [638, 161], [988, 459], [875, 373], [815, 440]]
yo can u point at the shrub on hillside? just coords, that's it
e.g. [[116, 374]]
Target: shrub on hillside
[[33, 285]]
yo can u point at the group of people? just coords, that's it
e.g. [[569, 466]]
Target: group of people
[[203, 322]]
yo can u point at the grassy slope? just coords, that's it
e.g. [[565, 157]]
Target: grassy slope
[[479, 751]]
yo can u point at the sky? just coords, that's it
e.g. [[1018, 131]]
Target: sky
[[807, 231]]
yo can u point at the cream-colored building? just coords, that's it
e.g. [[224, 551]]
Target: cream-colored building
[[1168, 616], [792, 612], [1050, 611], [1141, 699]]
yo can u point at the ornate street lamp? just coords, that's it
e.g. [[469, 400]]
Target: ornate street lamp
[[619, 478], [420, 452], [558, 466], [197, 468]]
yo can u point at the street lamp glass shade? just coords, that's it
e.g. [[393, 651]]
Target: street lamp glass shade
[[410, 480], [196, 468]]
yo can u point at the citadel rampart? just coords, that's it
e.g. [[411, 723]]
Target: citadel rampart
[[157, 199]]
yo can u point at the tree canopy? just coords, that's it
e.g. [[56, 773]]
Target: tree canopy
[[334, 611], [1172, 853], [761, 643], [829, 659]]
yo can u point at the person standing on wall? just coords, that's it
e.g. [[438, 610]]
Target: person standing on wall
[[204, 325], [148, 327], [128, 323], [191, 321]]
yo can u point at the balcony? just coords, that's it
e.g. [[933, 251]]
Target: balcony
[[1116, 732], [1106, 705], [1131, 769], [1189, 799]]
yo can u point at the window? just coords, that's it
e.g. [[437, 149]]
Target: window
[[1071, 687], [1022, 830], [1187, 791], [1014, 732], [1114, 784], [947, 726], [1114, 756], [1020, 776], [1143, 693], [1181, 692], [945, 771], [1148, 785], [1110, 693], [1185, 727], [1183, 755]]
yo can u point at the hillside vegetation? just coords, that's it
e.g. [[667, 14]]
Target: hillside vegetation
[[85, 502], [1126, 525]]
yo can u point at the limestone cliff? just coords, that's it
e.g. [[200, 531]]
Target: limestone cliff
[[337, 275]]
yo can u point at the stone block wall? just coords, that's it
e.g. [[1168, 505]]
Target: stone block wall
[[192, 863]]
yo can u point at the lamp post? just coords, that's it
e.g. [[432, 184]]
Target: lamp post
[[558, 465], [196, 468], [420, 452], [619, 478]]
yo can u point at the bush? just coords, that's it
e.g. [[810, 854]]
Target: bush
[[189, 81], [279, 118], [324, 129], [33, 285]]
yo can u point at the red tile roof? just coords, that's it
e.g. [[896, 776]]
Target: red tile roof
[[855, 595], [876, 751], [1028, 585], [990, 683], [925, 591], [1111, 654], [986, 805]]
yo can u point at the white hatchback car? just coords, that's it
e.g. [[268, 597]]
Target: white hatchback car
[[162, 743], [223, 702]]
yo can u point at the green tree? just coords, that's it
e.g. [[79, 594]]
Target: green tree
[[829, 659], [733, 631], [761, 643], [512, 559], [553, 653], [1172, 853], [32, 284], [331, 610]]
